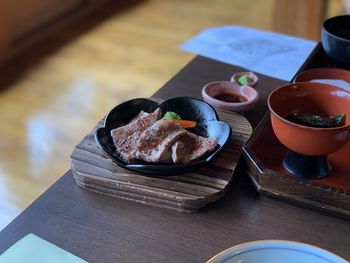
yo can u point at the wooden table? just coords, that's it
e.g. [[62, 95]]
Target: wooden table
[[99, 228]]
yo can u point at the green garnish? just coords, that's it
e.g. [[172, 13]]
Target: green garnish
[[339, 120], [171, 115], [318, 120], [244, 80]]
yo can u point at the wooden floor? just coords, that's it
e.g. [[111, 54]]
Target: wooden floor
[[52, 95]]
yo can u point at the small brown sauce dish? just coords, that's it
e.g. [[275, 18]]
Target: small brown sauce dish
[[230, 96]]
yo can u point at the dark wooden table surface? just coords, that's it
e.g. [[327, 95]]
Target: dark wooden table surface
[[105, 229]]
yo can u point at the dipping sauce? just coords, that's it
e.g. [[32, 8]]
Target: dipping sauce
[[230, 97]]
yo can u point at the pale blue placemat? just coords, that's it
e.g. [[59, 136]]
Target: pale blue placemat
[[269, 53], [33, 249]]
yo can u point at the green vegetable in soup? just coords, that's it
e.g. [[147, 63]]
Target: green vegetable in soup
[[339, 120], [244, 80], [318, 121]]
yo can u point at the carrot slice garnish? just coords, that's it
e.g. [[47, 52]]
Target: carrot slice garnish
[[185, 123]]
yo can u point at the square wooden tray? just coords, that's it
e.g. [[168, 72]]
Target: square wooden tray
[[264, 156]]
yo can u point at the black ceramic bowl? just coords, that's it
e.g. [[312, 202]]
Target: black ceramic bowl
[[208, 125], [336, 39]]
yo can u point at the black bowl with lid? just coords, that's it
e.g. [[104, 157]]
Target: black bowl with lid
[[336, 39]]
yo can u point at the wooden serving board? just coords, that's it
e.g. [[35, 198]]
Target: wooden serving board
[[264, 156], [95, 171]]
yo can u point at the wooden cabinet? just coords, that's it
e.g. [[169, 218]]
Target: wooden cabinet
[[23, 22], [299, 17]]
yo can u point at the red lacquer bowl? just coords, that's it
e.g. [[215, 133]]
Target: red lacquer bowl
[[309, 98], [323, 73]]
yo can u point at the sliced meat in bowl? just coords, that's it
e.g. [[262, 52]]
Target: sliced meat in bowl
[[168, 151], [166, 141]]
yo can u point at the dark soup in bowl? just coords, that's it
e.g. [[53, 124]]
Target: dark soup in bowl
[[230, 97]]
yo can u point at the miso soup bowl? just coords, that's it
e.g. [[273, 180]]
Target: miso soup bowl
[[309, 98], [213, 89]]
